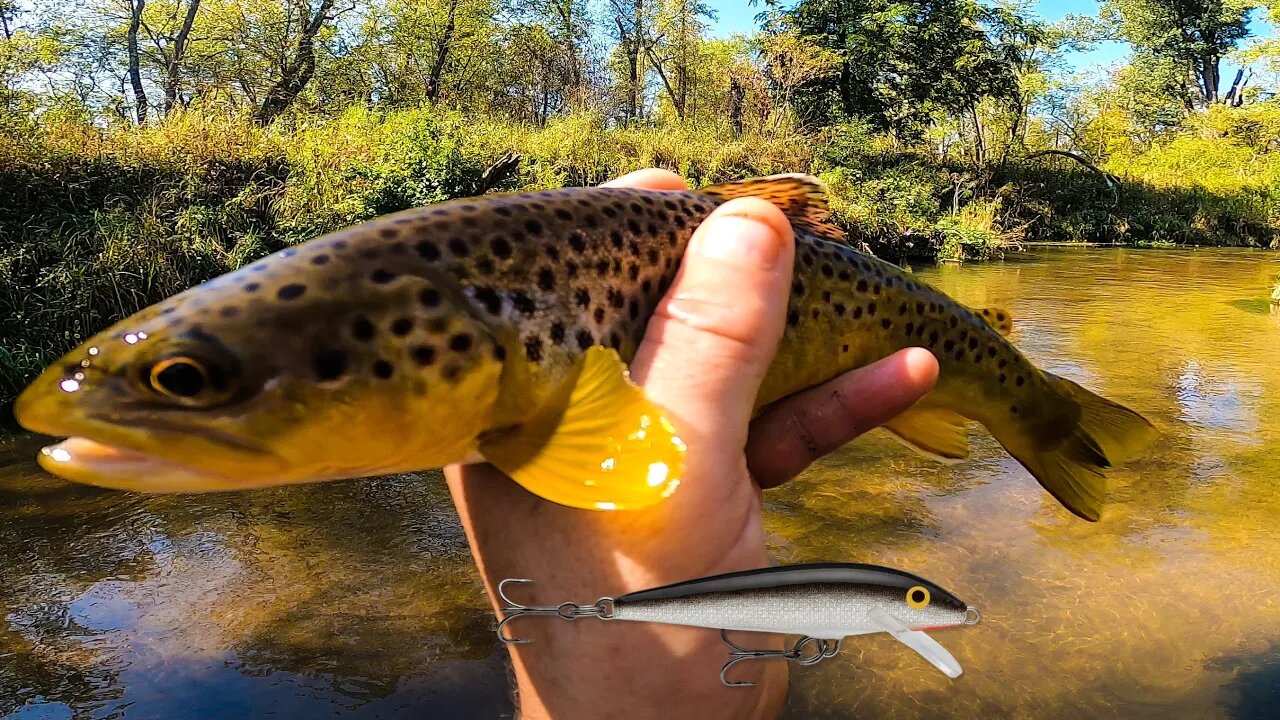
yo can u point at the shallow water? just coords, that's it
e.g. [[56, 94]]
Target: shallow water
[[358, 599]]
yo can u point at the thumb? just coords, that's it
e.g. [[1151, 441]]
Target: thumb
[[712, 337]]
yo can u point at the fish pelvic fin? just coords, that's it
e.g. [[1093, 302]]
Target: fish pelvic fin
[[802, 198], [998, 318], [936, 432], [601, 445], [1098, 434]]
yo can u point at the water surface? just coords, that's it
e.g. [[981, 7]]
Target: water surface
[[359, 600]]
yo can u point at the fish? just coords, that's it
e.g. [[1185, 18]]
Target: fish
[[499, 329], [822, 602]]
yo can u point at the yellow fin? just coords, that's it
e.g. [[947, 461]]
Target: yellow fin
[[802, 198], [998, 318], [602, 446], [1095, 435], [936, 432]]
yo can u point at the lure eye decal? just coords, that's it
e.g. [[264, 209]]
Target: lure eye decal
[[918, 597]]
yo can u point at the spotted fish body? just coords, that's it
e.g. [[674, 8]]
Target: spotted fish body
[[476, 330]]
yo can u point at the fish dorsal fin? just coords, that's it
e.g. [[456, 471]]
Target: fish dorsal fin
[[998, 318], [936, 432], [802, 198], [601, 445]]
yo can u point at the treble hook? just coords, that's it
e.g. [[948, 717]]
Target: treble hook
[[819, 650], [602, 609]]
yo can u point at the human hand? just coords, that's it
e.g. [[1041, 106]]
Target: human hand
[[704, 355]]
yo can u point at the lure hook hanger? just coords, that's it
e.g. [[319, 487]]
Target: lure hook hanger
[[806, 651], [601, 609]]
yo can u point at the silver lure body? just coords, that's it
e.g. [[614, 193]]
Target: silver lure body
[[823, 603]]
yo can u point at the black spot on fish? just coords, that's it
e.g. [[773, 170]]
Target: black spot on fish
[[401, 327], [585, 340], [382, 276], [633, 271], [1019, 381], [460, 342], [388, 233], [633, 226], [383, 369], [826, 296], [844, 348], [459, 248], [252, 287], [563, 214], [954, 321], [1003, 377], [973, 343], [582, 297], [875, 289], [615, 237], [949, 345], [522, 302], [488, 297], [609, 212], [1000, 316], [503, 211], [533, 348], [499, 353], [933, 338], [292, 291], [577, 242], [910, 328], [484, 265], [320, 259], [919, 308], [857, 312], [827, 270], [602, 265], [1013, 409], [501, 247], [427, 250], [793, 318], [553, 253], [652, 229], [991, 351], [839, 308], [902, 309], [533, 226], [429, 297], [871, 309], [797, 287], [599, 314], [646, 285], [362, 329], [959, 354], [888, 282], [340, 245], [635, 208], [546, 279], [557, 332], [1002, 363], [862, 286], [633, 309], [571, 269], [814, 313], [329, 364], [423, 354], [614, 341], [653, 256], [886, 323], [843, 275]]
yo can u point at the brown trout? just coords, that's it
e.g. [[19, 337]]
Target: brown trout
[[498, 329]]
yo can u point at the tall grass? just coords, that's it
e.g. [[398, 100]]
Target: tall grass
[[97, 224]]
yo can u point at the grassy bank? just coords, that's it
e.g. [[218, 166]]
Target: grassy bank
[[95, 225]]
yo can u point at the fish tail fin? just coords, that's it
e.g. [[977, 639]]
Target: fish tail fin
[[802, 198], [1093, 434]]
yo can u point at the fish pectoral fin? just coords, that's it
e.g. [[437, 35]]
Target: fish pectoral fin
[[925, 646], [802, 198], [998, 318], [936, 432], [602, 445]]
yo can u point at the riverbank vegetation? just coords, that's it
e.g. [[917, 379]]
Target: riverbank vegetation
[[148, 146]]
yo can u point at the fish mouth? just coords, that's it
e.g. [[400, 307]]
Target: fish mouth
[[91, 462]]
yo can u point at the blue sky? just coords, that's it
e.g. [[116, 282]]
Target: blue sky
[[737, 16]]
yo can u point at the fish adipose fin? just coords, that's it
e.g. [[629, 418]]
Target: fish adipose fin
[[1104, 434], [998, 318], [802, 198], [936, 432], [602, 445]]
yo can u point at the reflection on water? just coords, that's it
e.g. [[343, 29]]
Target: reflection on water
[[358, 599]]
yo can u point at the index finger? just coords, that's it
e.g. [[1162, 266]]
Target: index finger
[[650, 178]]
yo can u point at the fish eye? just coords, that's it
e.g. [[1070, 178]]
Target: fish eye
[[181, 378], [918, 597]]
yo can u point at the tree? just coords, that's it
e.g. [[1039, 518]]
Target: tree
[[1194, 34], [297, 69]]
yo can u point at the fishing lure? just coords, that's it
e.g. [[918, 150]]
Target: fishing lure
[[823, 603]]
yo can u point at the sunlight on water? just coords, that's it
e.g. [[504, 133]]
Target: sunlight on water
[[358, 599]]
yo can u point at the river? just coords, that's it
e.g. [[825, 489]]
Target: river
[[358, 599]]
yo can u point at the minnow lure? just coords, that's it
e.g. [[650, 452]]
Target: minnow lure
[[499, 329], [823, 603]]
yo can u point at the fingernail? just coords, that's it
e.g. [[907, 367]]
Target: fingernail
[[740, 240]]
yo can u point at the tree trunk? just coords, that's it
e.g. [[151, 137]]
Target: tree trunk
[[297, 70], [676, 100], [737, 95], [442, 54], [1208, 71], [173, 67], [135, 72], [979, 147]]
